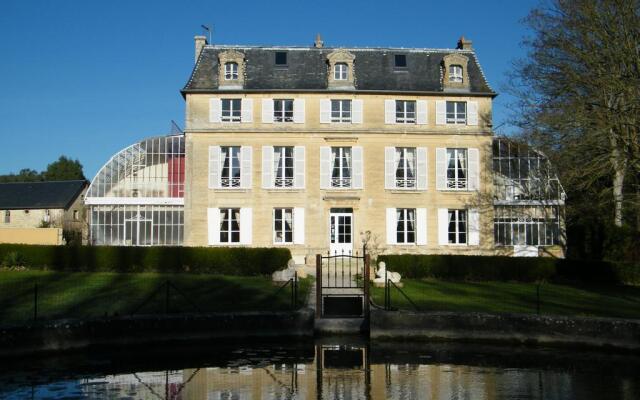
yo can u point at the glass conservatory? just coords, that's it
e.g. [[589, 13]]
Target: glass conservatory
[[137, 197], [528, 197]]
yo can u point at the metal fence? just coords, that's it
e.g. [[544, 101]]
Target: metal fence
[[63, 297]]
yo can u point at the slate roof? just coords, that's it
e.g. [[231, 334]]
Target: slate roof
[[39, 195], [307, 70]]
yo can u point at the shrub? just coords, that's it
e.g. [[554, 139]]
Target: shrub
[[222, 260], [12, 259], [502, 268]]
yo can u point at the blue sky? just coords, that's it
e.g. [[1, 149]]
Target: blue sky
[[87, 78]]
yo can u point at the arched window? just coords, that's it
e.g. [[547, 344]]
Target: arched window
[[341, 71], [455, 73], [230, 71]]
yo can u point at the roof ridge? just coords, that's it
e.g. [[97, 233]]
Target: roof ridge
[[310, 48]]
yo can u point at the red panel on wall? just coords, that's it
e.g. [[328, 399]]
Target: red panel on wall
[[176, 176]]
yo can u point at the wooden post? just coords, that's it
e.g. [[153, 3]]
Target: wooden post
[[318, 285]]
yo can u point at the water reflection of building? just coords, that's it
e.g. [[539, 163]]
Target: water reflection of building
[[344, 372]]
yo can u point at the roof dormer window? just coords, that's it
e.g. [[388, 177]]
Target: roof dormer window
[[340, 71], [455, 73], [231, 71], [281, 58], [400, 61]]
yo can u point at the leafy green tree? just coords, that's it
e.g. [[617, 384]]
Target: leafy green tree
[[63, 169], [25, 175]]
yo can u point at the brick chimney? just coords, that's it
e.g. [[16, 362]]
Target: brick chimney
[[464, 44], [201, 41], [318, 44]]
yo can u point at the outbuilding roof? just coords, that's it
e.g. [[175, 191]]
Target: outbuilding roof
[[307, 70], [40, 195]]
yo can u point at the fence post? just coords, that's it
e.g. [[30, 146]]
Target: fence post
[[35, 302], [538, 298], [387, 292], [295, 289], [318, 285], [166, 305], [367, 264]]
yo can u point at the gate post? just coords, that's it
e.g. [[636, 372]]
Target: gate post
[[367, 262], [318, 285]]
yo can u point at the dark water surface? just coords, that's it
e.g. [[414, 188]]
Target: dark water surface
[[328, 369]]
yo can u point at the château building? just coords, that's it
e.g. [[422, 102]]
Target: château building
[[321, 149]]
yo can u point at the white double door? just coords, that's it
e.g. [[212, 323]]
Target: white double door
[[341, 232]]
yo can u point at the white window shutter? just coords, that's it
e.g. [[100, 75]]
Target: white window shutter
[[441, 112], [298, 225], [325, 111], [298, 111], [299, 167], [246, 225], [441, 168], [474, 227], [245, 166], [325, 167], [267, 111], [474, 169], [356, 111], [213, 225], [422, 174], [472, 113], [421, 226], [391, 225], [246, 110], [215, 109], [389, 168], [421, 115], [389, 111], [357, 158], [214, 167], [443, 226], [267, 167]]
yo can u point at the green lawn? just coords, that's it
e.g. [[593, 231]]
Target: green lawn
[[500, 297], [78, 295]]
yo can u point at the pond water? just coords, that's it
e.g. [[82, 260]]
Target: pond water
[[327, 369]]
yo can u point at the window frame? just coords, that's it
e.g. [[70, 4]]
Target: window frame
[[342, 181], [456, 221], [460, 179], [341, 119], [231, 181], [281, 54], [283, 227], [456, 117], [231, 212], [402, 226], [403, 116], [230, 71], [405, 182], [282, 115], [456, 73], [341, 71], [7, 216], [398, 57], [232, 114], [284, 181]]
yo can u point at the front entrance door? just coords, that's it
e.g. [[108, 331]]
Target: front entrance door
[[341, 232]]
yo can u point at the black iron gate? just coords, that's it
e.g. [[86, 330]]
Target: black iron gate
[[342, 285]]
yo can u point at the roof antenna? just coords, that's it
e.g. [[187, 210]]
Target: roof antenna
[[208, 29]]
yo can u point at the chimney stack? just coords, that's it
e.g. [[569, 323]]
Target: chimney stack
[[464, 44], [318, 44], [201, 41]]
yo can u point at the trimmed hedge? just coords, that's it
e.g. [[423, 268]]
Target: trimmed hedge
[[218, 260], [503, 268]]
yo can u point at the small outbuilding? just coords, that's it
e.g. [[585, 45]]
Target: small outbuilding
[[42, 212]]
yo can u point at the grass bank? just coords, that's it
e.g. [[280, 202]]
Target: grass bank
[[97, 294], [505, 297]]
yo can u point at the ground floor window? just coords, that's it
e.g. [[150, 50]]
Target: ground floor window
[[283, 225], [7, 217], [457, 226], [229, 225], [526, 225], [406, 225], [136, 225]]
